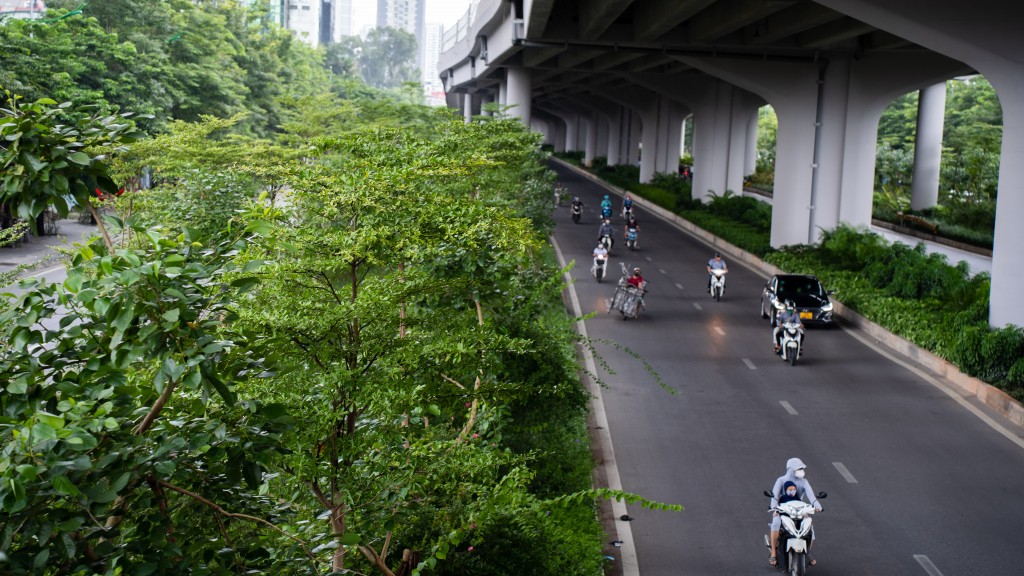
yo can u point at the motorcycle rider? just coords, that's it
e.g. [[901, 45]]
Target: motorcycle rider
[[795, 475], [715, 263], [599, 252], [627, 204], [606, 230], [577, 204], [631, 223], [636, 279], [606, 206], [788, 314]]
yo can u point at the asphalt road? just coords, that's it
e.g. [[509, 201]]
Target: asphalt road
[[917, 484]]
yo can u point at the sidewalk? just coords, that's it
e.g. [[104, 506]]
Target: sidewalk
[[42, 248]]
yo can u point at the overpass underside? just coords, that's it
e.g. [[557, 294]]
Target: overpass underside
[[614, 77]]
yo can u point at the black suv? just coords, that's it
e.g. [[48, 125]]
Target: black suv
[[805, 291]]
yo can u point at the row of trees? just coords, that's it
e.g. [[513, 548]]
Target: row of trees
[[371, 374], [170, 60], [331, 344]]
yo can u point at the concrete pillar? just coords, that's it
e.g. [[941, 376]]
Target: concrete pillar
[[742, 111], [634, 136], [590, 125], [931, 116], [519, 91], [485, 99], [615, 137], [571, 132], [750, 158], [601, 124], [467, 108], [503, 92], [1007, 257]]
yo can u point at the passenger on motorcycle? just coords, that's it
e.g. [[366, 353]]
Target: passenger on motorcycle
[[715, 263], [795, 476], [606, 230], [788, 314]]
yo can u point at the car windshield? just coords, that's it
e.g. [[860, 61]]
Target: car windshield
[[799, 287]]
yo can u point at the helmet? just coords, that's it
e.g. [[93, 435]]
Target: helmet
[[605, 196], [575, 198], [636, 271], [718, 255]]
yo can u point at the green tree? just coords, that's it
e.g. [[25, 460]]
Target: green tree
[[388, 58]]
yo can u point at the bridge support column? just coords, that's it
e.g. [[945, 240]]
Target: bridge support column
[[467, 107], [589, 122], [750, 157], [931, 115], [601, 124], [571, 131], [615, 137], [518, 88], [1007, 257]]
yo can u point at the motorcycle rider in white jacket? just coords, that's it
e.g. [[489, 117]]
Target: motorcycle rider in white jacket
[[795, 469]]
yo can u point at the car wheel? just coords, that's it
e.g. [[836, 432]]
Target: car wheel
[[764, 314]]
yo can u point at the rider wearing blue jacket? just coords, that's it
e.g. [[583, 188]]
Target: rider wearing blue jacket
[[795, 475]]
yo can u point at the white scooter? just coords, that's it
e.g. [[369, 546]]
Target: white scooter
[[791, 341], [718, 283], [599, 268], [631, 239], [795, 535], [606, 241]]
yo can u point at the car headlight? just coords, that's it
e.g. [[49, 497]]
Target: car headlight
[[778, 305], [827, 307]]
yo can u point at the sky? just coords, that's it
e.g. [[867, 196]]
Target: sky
[[444, 12]]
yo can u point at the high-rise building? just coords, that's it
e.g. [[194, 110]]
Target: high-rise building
[[405, 15], [315, 21], [433, 89]]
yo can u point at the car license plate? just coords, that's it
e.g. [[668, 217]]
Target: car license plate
[[806, 315]]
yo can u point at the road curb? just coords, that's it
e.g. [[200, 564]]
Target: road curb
[[969, 386]]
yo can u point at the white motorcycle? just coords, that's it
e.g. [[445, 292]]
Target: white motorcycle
[[606, 241], [718, 283], [795, 535], [599, 268], [791, 341]]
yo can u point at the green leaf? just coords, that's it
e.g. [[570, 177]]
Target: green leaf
[[56, 422], [165, 467], [80, 158], [350, 539], [171, 315], [63, 486]]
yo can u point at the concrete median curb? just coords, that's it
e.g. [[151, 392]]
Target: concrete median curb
[[969, 386]]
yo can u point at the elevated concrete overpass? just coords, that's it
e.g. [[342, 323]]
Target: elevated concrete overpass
[[612, 77]]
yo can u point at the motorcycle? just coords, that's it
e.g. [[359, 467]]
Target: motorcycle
[[599, 267], [795, 535], [606, 212], [718, 283], [627, 212], [577, 212], [628, 299], [631, 238], [606, 241], [791, 342]]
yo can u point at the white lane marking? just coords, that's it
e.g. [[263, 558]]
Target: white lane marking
[[927, 565], [680, 286], [749, 364], [844, 472], [719, 330], [47, 271], [697, 306], [662, 270], [627, 552], [648, 258], [1009, 435], [789, 408]]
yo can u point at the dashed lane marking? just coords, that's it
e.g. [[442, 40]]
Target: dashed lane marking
[[680, 286], [789, 408], [697, 306], [844, 472], [662, 270], [719, 330], [749, 364], [927, 565]]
